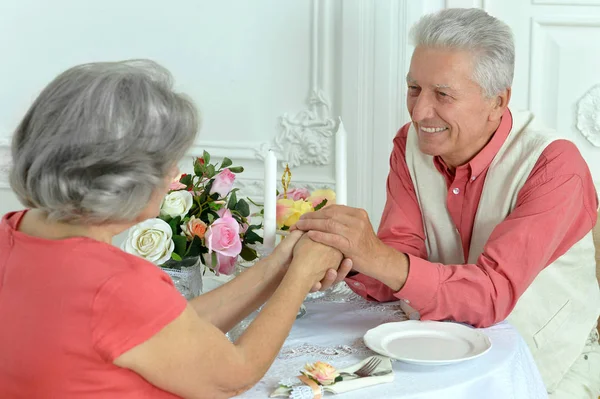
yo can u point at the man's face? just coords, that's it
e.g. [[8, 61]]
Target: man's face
[[452, 116]]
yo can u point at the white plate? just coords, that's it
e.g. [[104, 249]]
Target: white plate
[[427, 342]]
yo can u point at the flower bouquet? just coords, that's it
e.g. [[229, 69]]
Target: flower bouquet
[[294, 202], [202, 223]]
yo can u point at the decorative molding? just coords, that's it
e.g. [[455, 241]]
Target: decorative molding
[[306, 137], [588, 115], [546, 51]]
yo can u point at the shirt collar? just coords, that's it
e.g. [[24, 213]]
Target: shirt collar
[[484, 158]]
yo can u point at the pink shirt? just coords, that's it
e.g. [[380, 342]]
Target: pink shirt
[[556, 207], [68, 308]]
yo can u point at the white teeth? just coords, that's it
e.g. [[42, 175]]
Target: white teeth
[[433, 129]]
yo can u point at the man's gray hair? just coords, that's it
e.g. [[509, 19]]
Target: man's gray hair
[[472, 29], [99, 140]]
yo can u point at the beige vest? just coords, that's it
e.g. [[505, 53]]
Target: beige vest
[[561, 306]]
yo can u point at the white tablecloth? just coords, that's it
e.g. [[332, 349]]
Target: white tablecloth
[[333, 331]]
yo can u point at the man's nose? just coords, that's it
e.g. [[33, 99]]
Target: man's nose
[[423, 108]]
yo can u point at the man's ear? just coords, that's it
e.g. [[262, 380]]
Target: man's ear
[[500, 104]]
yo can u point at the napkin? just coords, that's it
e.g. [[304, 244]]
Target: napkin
[[293, 388]]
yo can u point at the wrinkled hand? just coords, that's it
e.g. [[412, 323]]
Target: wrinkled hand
[[315, 259], [283, 253], [349, 230]]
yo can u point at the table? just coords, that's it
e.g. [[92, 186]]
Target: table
[[332, 331]]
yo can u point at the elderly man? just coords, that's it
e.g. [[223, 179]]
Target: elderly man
[[487, 218]]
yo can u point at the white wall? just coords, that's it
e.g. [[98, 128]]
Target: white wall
[[261, 72], [277, 74]]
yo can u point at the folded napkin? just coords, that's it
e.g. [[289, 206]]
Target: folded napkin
[[297, 389]]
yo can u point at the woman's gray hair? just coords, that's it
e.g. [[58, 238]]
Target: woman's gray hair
[[472, 29], [99, 140]]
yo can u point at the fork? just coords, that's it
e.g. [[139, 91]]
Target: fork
[[366, 369]]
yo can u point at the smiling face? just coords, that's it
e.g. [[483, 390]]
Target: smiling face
[[452, 116]]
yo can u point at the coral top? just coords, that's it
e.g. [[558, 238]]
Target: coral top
[[68, 308]]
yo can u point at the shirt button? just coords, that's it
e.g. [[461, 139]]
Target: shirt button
[[407, 301], [356, 284], [473, 178], [455, 190]]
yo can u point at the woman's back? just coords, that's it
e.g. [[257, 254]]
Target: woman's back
[[68, 308]]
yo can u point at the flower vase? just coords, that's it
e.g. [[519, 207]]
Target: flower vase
[[186, 275]]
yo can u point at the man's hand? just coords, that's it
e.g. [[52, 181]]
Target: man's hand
[[347, 229], [282, 256], [350, 231]]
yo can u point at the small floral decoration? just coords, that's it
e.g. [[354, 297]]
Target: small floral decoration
[[200, 216], [294, 202], [322, 373]]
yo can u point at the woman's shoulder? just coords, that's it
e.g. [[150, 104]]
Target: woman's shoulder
[[107, 255]]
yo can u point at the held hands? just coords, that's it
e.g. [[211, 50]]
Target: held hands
[[349, 230], [315, 260], [295, 245]]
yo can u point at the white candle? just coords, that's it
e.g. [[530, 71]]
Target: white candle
[[341, 165], [270, 215]]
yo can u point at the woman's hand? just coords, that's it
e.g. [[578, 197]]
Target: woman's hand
[[313, 259], [282, 254]]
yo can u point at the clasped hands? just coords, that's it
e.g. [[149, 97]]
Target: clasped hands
[[336, 239]]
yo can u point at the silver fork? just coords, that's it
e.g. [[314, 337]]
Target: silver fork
[[366, 369]]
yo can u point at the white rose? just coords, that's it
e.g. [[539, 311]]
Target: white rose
[[177, 203], [151, 240]]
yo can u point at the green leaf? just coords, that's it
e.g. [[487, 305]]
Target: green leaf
[[226, 162], [211, 216], [210, 171], [338, 379], [195, 247], [232, 201], [176, 257], [214, 260], [199, 168], [251, 237], [237, 169], [207, 189], [187, 180], [180, 245], [248, 254], [206, 157], [243, 208], [321, 205], [174, 224]]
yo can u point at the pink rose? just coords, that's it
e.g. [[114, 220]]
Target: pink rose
[[296, 194], [223, 236], [176, 185], [225, 264], [223, 183], [225, 212]]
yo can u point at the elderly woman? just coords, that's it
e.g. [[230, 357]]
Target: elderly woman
[[80, 318]]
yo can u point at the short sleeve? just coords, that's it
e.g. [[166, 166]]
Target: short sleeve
[[131, 307]]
